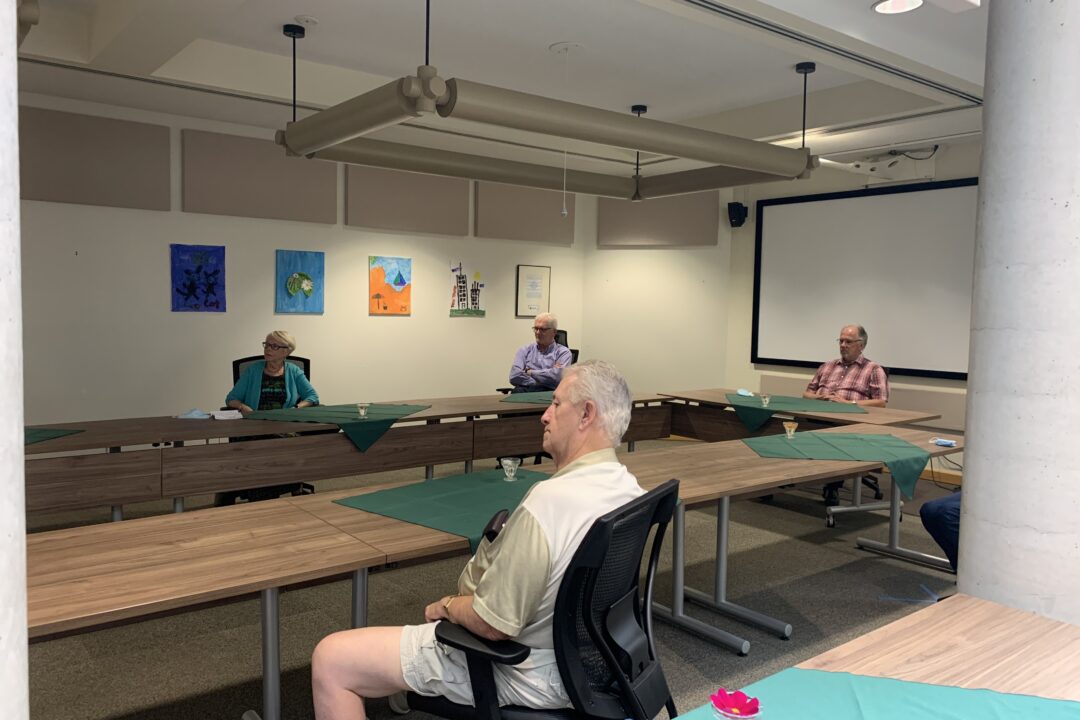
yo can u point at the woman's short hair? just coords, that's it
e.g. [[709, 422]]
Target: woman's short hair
[[602, 383], [284, 338]]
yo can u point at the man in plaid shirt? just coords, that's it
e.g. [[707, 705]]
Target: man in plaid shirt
[[852, 378]]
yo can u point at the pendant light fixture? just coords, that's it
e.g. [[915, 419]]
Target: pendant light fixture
[[638, 110]]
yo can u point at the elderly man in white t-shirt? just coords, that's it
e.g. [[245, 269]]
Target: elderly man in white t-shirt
[[508, 588]]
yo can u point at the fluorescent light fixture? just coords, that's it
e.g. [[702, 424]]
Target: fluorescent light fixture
[[895, 7]]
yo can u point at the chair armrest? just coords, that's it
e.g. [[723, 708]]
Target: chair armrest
[[495, 524], [504, 652]]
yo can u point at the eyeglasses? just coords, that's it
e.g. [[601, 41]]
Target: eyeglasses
[[541, 329], [845, 341], [274, 346]]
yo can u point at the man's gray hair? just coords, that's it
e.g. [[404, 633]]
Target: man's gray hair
[[600, 382], [549, 320], [860, 330]]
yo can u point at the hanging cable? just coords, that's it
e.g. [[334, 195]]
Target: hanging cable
[[636, 197], [295, 32], [804, 69], [427, 32], [565, 82]]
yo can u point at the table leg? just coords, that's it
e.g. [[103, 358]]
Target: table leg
[[271, 652], [117, 513], [718, 601], [359, 598], [676, 614], [178, 504], [429, 470], [856, 504], [893, 548]]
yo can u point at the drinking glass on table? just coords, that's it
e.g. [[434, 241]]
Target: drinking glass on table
[[362, 408], [765, 397], [510, 466], [790, 427]]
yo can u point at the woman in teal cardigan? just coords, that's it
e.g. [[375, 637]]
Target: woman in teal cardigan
[[272, 383]]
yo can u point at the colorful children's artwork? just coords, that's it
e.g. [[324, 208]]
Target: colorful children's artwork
[[198, 278], [465, 297], [299, 282], [389, 285]]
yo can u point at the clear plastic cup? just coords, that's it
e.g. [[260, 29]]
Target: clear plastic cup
[[789, 428], [765, 397], [362, 408], [510, 466]]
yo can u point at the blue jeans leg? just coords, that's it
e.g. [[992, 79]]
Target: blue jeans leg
[[941, 518]]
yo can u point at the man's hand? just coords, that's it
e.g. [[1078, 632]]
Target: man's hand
[[437, 610]]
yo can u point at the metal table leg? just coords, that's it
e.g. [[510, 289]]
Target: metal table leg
[[117, 513], [893, 548], [271, 651], [359, 598], [676, 614], [718, 601], [429, 470], [855, 506], [178, 505]]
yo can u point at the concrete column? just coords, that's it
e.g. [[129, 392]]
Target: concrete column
[[1020, 525], [14, 695]]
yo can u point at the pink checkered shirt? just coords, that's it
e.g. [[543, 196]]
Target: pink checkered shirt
[[863, 379]]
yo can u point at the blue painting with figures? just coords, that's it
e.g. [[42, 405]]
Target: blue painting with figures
[[198, 278], [299, 282]]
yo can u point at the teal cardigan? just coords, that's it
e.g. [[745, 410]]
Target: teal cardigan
[[248, 388]]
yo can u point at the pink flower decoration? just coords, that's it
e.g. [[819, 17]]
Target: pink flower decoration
[[734, 705]]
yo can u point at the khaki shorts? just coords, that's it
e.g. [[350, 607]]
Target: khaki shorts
[[431, 668]]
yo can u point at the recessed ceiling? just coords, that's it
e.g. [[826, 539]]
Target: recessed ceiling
[[727, 66]]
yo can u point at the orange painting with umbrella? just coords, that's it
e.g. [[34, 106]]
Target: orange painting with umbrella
[[389, 285]]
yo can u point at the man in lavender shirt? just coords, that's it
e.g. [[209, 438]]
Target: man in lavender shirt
[[538, 366]]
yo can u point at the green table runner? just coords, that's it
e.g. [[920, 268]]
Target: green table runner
[[540, 398], [362, 431], [459, 504], [753, 416], [797, 694], [35, 435], [904, 460]]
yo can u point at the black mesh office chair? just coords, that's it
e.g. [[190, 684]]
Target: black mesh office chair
[[561, 338], [264, 493], [602, 628]]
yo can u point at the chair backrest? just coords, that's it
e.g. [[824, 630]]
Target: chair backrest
[[603, 621], [240, 365], [560, 337]]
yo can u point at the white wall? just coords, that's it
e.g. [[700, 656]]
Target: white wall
[[660, 314], [101, 341]]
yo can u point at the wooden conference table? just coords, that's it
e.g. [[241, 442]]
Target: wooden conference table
[[707, 473], [91, 576], [459, 429], [962, 642], [702, 414]]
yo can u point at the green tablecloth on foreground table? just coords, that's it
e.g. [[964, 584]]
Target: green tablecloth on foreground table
[[753, 416], [904, 460], [36, 435], [362, 431], [797, 694], [459, 504], [540, 398]]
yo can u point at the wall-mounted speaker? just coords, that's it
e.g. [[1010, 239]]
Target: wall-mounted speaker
[[736, 214]]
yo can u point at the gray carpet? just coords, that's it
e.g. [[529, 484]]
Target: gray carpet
[[206, 663]]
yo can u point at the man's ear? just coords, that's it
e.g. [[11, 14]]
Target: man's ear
[[588, 414]]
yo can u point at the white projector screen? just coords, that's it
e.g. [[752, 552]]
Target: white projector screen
[[897, 260]]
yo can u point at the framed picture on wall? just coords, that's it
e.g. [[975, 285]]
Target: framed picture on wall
[[533, 290]]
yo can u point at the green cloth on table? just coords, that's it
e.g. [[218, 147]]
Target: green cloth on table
[[798, 694], [540, 398], [362, 431], [753, 416], [459, 504], [33, 435], [904, 460]]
